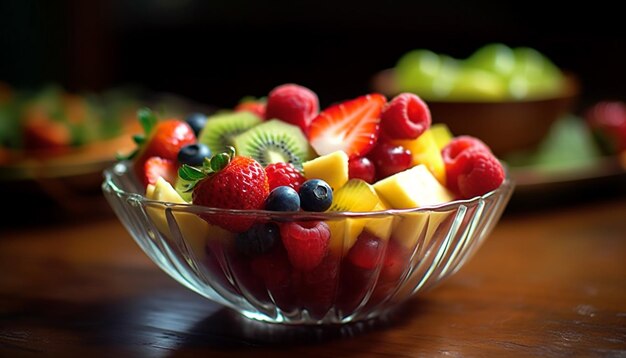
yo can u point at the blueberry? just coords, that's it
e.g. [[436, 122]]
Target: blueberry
[[283, 198], [196, 121], [257, 240], [194, 154], [315, 195]]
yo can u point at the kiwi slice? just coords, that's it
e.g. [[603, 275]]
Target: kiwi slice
[[272, 142], [221, 129]]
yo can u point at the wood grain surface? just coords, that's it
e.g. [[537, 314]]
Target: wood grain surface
[[549, 283]]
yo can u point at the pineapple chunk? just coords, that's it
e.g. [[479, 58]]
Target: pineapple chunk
[[442, 134], [412, 188], [193, 229], [413, 226], [424, 150], [380, 227], [332, 168]]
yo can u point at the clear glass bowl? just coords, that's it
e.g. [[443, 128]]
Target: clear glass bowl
[[417, 249]]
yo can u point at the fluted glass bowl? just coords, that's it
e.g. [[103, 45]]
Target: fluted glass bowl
[[415, 249]]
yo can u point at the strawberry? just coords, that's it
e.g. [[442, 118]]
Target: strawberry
[[231, 182], [281, 174], [306, 243], [351, 126], [156, 167], [162, 139], [293, 104]]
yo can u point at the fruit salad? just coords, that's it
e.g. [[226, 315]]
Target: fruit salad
[[287, 156]]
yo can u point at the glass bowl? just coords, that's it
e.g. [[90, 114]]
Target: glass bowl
[[411, 250]]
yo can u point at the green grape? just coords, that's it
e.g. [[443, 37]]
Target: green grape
[[495, 58]]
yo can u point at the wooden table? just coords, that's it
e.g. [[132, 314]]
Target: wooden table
[[549, 283]]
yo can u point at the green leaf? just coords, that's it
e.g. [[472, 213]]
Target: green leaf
[[231, 152], [139, 139], [219, 161], [147, 119], [189, 173], [120, 156]]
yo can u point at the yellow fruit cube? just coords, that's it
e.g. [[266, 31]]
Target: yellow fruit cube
[[412, 188], [192, 228], [424, 150], [442, 134], [332, 168]]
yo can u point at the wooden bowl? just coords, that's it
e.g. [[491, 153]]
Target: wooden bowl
[[506, 126]]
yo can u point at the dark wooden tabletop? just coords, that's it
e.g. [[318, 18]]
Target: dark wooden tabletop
[[545, 283]]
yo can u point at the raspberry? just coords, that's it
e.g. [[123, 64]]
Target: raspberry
[[452, 151], [284, 174], [293, 104], [405, 117], [306, 243], [479, 172]]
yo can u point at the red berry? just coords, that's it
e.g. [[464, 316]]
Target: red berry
[[284, 174], [390, 159], [241, 184], [164, 141], [306, 243], [479, 172], [361, 168], [255, 107], [293, 104], [167, 138], [450, 153], [351, 126], [405, 117], [367, 251], [607, 120], [156, 167]]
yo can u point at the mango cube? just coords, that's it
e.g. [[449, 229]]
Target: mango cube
[[412, 188], [332, 168]]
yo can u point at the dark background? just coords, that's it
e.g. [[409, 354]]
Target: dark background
[[216, 52]]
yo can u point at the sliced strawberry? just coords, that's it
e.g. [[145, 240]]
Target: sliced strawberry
[[156, 167], [351, 126]]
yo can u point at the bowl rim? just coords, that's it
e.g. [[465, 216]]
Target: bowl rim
[[121, 168]]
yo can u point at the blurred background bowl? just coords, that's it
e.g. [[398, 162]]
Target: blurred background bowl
[[507, 126]]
